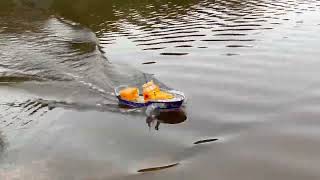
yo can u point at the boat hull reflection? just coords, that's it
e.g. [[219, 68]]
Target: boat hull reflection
[[175, 116]]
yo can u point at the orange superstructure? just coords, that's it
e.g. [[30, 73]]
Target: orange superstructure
[[130, 94], [152, 92]]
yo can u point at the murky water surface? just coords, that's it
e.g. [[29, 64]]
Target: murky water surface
[[249, 68]]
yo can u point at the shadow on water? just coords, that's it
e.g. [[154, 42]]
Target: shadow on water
[[165, 117]]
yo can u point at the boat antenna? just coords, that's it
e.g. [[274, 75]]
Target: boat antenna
[[145, 77]]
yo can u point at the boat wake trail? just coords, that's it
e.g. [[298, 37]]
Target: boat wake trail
[[56, 63]]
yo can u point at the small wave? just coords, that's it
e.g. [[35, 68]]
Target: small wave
[[149, 62], [158, 168], [205, 141], [174, 54]]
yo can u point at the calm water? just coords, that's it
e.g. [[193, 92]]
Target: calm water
[[249, 68]]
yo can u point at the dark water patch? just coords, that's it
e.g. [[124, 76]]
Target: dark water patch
[[183, 46], [106, 43], [149, 62], [205, 141], [232, 54], [174, 54], [250, 18], [202, 47], [83, 48], [158, 168], [172, 117], [155, 48]]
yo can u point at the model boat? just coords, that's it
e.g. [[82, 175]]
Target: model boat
[[151, 95]]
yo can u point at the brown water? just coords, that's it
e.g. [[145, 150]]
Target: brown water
[[249, 69]]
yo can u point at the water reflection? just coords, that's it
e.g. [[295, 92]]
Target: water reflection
[[148, 21], [173, 28], [100, 12], [177, 21], [157, 117]]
